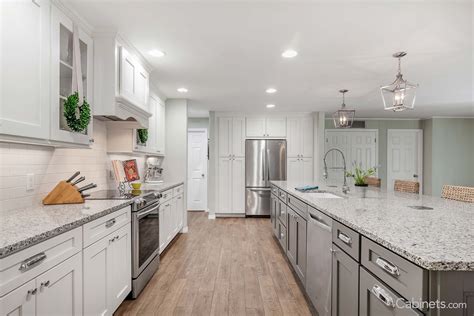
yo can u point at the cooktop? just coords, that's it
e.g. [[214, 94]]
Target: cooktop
[[117, 195]]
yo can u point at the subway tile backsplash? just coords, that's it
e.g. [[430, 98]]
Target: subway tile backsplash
[[51, 165]]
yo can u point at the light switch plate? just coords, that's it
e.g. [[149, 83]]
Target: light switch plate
[[30, 181]]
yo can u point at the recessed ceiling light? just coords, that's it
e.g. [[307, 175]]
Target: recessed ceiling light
[[270, 106], [156, 53], [289, 53], [182, 90], [271, 90]]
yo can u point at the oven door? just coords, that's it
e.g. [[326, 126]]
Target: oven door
[[145, 237]]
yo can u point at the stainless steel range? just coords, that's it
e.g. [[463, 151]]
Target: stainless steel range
[[145, 233]]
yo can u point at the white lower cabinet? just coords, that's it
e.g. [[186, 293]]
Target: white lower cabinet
[[58, 291], [231, 185], [172, 212], [107, 272]]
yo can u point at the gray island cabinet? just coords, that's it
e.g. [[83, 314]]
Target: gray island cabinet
[[377, 256]]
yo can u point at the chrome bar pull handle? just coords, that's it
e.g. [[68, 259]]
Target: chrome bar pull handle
[[383, 296], [32, 261], [387, 266], [110, 223], [344, 238]]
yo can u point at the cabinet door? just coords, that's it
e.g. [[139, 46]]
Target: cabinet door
[[96, 275], [238, 136], [127, 75], [292, 236], [293, 139], [301, 228], [294, 171], [25, 77], [162, 228], [238, 185], [60, 289], [168, 221], [174, 217], [255, 127], [306, 135], [273, 213], [62, 61], [276, 127], [120, 266], [180, 211], [345, 284], [224, 189], [225, 134], [307, 170], [160, 128], [19, 301], [141, 86]]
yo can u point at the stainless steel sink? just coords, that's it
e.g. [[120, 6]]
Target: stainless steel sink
[[323, 194]]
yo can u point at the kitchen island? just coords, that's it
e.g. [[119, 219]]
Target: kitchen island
[[415, 254]]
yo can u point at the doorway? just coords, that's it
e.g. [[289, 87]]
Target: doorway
[[404, 156], [197, 169]]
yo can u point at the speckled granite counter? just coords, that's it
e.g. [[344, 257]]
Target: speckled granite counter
[[441, 239], [23, 228]]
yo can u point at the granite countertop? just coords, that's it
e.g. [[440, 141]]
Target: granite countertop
[[441, 239], [23, 228]]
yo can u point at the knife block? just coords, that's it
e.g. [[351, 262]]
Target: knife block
[[63, 193]]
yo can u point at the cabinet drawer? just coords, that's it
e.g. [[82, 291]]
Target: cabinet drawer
[[274, 190], [166, 195], [376, 298], [282, 195], [282, 235], [406, 278], [29, 263], [178, 190], [282, 210], [347, 239], [299, 206], [101, 227]]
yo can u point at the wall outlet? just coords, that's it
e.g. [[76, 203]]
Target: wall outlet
[[30, 181]]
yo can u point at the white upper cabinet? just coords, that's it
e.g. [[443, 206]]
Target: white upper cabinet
[[25, 64], [62, 61], [231, 136], [121, 80], [300, 137], [266, 127]]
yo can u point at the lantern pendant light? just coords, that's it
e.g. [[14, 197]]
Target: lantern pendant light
[[343, 118], [399, 95]]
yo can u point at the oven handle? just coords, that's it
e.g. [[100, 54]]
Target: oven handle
[[145, 213]]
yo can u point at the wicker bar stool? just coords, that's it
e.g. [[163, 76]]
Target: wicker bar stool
[[458, 193], [407, 186], [373, 181]]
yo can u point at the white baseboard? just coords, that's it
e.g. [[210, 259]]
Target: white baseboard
[[184, 230], [212, 216]]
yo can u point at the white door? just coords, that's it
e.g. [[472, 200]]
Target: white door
[[364, 149], [238, 185], [197, 169], [25, 71], [224, 189], [276, 127], [404, 156], [60, 289], [120, 266], [342, 141], [19, 302]]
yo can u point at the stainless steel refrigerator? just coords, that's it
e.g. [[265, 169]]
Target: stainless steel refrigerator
[[265, 160]]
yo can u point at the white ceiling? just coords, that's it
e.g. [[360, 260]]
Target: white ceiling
[[228, 52]]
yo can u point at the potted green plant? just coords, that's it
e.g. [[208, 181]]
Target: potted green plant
[[359, 175]]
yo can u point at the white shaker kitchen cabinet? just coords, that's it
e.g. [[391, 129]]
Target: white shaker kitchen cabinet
[[162, 233], [276, 127], [238, 185], [266, 127], [62, 61], [300, 137], [225, 185], [141, 86], [107, 272], [21, 301], [255, 127], [134, 80], [231, 136], [25, 64], [293, 170], [231, 186], [180, 211], [300, 171], [59, 290], [307, 135]]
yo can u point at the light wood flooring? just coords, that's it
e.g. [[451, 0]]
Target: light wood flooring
[[227, 266]]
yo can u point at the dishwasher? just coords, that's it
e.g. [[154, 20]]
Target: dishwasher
[[319, 262]]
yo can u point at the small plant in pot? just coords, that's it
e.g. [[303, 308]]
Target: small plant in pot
[[359, 175]]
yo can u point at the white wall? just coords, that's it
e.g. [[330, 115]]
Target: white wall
[[176, 143]]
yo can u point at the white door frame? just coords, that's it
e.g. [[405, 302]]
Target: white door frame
[[206, 166], [420, 153]]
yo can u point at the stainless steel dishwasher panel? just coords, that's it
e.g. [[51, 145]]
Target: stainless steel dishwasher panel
[[319, 261]]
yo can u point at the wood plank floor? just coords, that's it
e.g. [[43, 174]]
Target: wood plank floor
[[227, 266]]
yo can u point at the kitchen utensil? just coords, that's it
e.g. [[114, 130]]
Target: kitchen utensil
[[63, 193], [73, 176], [87, 187], [79, 180]]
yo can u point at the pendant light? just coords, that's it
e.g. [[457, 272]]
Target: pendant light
[[343, 118], [400, 94]]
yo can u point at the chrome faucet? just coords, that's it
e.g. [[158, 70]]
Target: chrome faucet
[[345, 187]]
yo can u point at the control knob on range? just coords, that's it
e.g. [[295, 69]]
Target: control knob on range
[[139, 202], [157, 195]]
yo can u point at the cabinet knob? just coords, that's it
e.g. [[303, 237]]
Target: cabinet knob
[[91, 140], [32, 292]]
